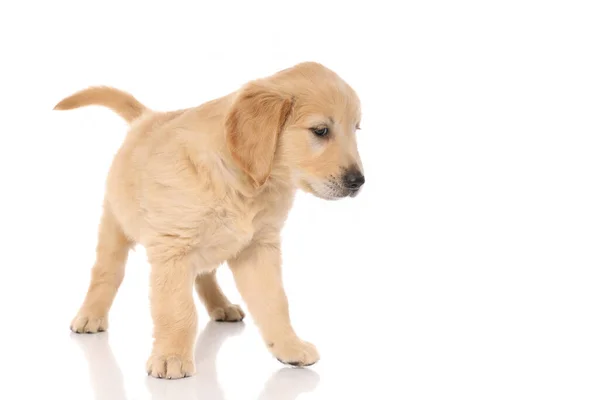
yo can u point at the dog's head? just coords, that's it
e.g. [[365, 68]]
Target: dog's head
[[304, 120]]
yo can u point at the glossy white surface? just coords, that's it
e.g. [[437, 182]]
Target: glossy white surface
[[467, 269]]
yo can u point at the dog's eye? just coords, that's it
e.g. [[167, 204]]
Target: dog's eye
[[321, 131]]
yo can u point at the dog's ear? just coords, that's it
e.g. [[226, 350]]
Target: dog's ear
[[252, 127]]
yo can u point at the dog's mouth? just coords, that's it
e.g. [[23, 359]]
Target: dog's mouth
[[331, 190]]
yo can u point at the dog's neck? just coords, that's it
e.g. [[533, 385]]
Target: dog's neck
[[279, 182], [280, 179]]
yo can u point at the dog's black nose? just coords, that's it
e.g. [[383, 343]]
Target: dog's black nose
[[354, 179]]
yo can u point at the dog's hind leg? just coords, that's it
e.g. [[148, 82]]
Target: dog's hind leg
[[217, 305], [106, 276]]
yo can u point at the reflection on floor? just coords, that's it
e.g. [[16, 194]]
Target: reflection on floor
[[107, 380]]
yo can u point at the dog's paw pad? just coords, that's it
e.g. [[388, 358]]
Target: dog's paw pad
[[169, 367], [83, 323], [297, 353], [230, 313]]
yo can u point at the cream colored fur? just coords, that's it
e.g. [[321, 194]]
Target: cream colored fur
[[212, 184]]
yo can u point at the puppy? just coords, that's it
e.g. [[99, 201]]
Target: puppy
[[211, 184]]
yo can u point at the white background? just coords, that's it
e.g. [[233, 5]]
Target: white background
[[468, 268]]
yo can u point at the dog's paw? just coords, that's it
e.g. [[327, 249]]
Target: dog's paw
[[295, 352], [170, 366], [229, 313], [89, 323]]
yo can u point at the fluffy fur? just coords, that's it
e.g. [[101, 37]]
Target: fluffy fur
[[211, 184]]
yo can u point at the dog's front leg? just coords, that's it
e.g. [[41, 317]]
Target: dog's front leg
[[173, 315], [257, 273]]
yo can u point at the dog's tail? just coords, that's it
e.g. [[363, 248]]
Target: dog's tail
[[123, 103]]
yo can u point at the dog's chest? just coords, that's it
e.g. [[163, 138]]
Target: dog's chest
[[221, 234], [229, 227]]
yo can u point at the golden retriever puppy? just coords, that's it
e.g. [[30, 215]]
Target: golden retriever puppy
[[211, 184]]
